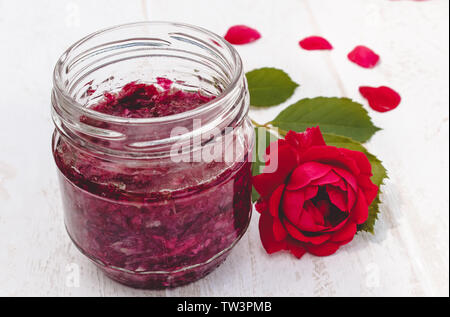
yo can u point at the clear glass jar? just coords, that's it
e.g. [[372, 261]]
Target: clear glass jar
[[154, 202]]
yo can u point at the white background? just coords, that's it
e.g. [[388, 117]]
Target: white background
[[409, 254]]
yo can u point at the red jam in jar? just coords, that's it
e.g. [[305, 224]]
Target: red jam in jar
[[153, 148], [139, 100]]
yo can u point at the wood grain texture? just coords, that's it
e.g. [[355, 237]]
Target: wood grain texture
[[409, 255]]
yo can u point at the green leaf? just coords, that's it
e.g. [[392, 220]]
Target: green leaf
[[258, 153], [340, 116], [378, 170], [269, 86]]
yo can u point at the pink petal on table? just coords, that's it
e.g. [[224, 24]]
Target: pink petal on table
[[313, 43], [364, 57], [241, 34], [382, 98]]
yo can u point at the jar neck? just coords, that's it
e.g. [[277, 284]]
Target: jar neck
[[191, 57]]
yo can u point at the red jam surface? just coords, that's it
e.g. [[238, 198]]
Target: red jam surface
[[139, 100], [154, 225]]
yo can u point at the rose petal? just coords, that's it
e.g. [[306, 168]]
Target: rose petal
[[364, 57], [315, 43], [298, 235], [330, 155], [296, 248], [310, 192], [361, 160], [360, 210], [345, 234], [293, 204], [272, 151], [324, 208], [337, 197], [341, 184], [266, 234], [351, 197], [348, 177], [382, 98], [325, 249], [266, 183], [306, 173], [278, 230], [261, 206], [370, 189], [303, 141], [241, 34], [274, 202], [311, 219], [329, 178]]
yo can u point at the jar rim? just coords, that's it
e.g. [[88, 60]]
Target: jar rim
[[236, 76]]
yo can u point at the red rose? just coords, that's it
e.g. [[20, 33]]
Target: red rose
[[317, 196]]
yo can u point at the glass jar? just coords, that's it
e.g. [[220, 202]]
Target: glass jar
[[154, 202]]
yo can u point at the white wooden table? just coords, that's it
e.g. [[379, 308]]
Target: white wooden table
[[409, 255]]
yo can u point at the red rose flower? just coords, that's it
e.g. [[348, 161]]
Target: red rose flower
[[317, 196]]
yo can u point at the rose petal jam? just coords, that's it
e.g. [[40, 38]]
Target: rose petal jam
[[133, 222], [153, 147], [139, 100]]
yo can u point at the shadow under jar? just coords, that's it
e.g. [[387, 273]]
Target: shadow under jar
[[155, 202]]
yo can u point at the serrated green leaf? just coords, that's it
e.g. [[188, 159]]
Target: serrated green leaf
[[340, 116], [378, 171], [258, 152], [269, 86]]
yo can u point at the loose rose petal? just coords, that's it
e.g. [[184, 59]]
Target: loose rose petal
[[266, 234], [241, 34], [364, 57], [313, 43], [382, 98]]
